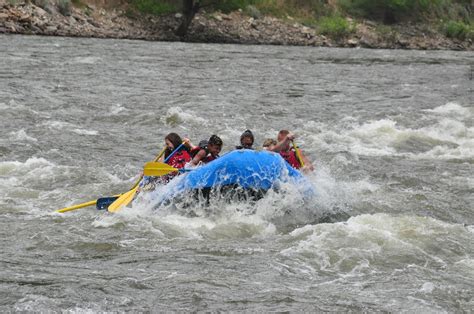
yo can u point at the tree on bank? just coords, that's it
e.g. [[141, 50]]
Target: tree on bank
[[190, 8]]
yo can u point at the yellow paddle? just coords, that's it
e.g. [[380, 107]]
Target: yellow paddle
[[94, 202], [157, 169], [123, 200], [127, 197], [91, 203], [298, 154]]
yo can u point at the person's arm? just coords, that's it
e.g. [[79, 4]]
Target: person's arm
[[187, 143], [199, 156], [279, 146]]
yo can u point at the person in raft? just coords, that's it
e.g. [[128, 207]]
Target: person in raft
[[180, 157], [246, 140], [206, 151], [177, 160], [269, 144], [288, 152]]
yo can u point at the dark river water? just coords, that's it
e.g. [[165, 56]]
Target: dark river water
[[391, 134]]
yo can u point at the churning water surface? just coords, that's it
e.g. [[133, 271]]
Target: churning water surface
[[390, 132]]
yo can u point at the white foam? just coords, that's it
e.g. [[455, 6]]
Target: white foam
[[178, 115], [107, 221], [85, 132], [17, 167], [467, 263], [86, 60], [62, 125], [190, 226], [12, 104], [427, 287], [350, 247], [22, 136], [452, 108], [117, 108], [220, 219], [58, 125], [444, 135]]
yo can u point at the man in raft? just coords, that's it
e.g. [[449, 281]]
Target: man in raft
[[289, 153], [246, 140], [207, 151]]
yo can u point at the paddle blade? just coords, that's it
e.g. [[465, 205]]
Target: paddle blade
[[123, 200], [66, 209], [104, 202], [157, 169]]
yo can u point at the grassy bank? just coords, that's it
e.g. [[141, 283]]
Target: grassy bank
[[393, 24]]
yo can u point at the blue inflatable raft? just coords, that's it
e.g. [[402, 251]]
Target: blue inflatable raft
[[246, 169]]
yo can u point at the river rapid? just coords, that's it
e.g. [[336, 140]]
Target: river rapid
[[391, 135]]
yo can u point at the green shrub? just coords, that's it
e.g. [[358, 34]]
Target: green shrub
[[252, 11], [309, 22], [278, 8], [391, 11], [459, 30], [227, 6], [275, 8], [335, 26], [78, 4], [305, 9], [155, 7], [386, 10]]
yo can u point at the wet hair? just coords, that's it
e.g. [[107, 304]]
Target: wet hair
[[175, 139], [284, 132], [215, 140], [268, 142], [247, 133]]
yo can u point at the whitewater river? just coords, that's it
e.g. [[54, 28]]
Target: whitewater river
[[391, 134]]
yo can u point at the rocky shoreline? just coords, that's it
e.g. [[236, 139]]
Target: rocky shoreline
[[236, 27]]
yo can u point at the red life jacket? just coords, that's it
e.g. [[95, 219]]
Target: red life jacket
[[290, 157], [193, 152], [179, 159], [208, 158]]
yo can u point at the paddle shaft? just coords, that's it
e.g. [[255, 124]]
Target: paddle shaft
[[63, 210], [174, 152]]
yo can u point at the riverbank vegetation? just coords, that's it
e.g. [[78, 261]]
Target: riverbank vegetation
[[397, 24], [337, 18]]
